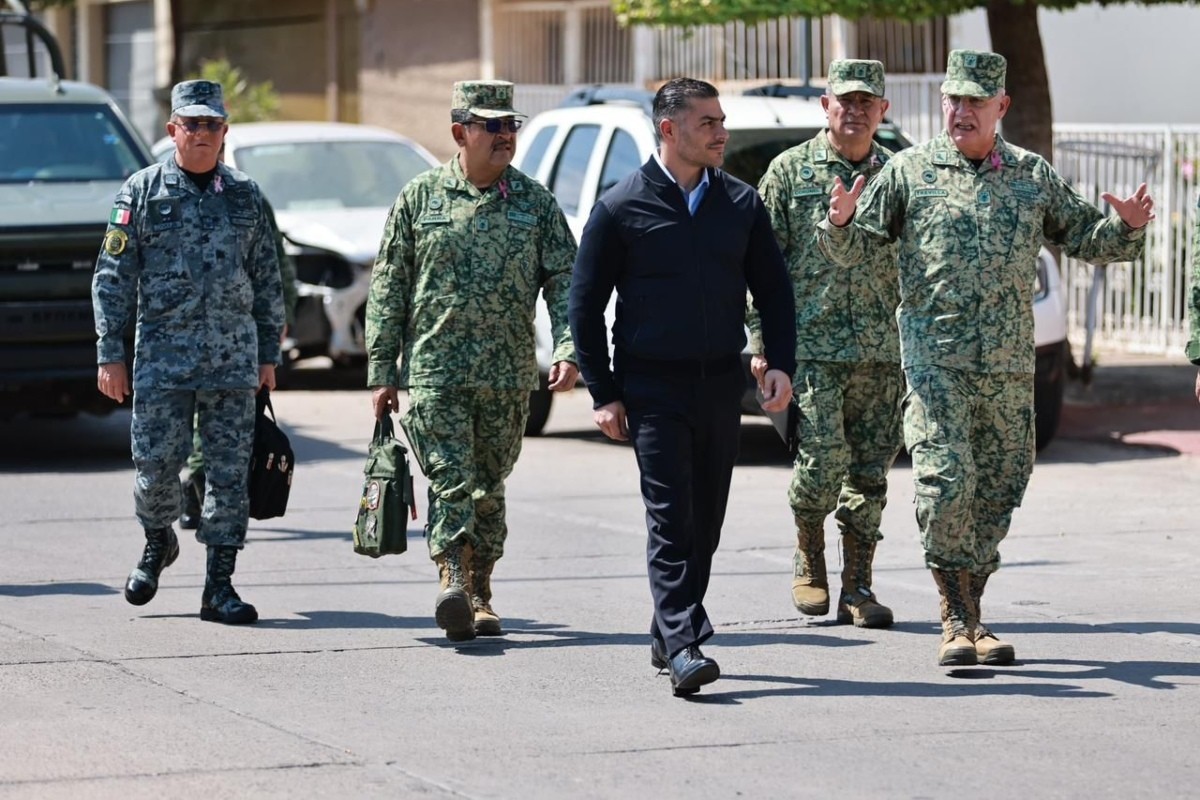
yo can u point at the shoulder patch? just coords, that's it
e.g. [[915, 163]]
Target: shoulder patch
[[119, 215], [115, 241]]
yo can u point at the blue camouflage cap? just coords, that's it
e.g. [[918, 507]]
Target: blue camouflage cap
[[198, 99]]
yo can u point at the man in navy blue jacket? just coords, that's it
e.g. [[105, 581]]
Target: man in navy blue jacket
[[681, 241]]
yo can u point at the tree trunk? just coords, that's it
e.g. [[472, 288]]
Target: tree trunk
[[1015, 35]]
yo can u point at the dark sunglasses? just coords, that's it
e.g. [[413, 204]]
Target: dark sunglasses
[[210, 125], [512, 124]]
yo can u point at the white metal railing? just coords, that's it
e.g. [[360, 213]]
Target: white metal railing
[[1141, 305]]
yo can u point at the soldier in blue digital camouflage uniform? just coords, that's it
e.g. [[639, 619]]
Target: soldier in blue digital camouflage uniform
[[466, 250], [190, 256], [969, 212]]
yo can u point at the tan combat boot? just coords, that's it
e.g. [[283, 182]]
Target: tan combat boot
[[453, 610], [810, 586], [857, 603], [487, 621], [988, 648], [958, 618]]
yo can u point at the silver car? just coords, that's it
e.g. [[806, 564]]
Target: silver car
[[331, 185]]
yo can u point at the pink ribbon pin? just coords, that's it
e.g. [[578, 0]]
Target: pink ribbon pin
[[503, 187]]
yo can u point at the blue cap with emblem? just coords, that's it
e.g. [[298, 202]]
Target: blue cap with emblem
[[198, 99]]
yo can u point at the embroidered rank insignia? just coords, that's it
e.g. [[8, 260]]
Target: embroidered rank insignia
[[115, 241]]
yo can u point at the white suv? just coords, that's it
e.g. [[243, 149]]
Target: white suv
[[601, 134]]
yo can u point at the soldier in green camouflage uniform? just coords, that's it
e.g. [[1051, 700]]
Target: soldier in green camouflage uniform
[[1193, 344], [848, 379], [969, 212], [190, 253], [467, 247]]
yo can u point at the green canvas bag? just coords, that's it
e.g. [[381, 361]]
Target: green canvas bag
[[387, 496]]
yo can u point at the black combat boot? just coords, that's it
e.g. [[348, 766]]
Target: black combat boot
[[220, 602], [193, 500], [162, 548]]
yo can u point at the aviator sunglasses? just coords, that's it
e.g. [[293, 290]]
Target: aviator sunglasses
[[511, 124], [193, 125]]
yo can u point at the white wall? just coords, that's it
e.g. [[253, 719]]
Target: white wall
[[1126, 64]]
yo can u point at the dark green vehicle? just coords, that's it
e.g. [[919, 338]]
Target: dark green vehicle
[[65, 150]]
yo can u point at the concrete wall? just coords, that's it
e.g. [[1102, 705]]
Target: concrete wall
[[292, 44], [1121, 64], [412, 53]]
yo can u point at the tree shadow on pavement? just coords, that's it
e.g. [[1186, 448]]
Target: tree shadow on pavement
[[42, 589]]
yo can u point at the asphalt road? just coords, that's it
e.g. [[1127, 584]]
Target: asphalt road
[[346, 687]]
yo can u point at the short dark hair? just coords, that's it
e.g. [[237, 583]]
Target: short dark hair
[[460, 115], [676, 95]]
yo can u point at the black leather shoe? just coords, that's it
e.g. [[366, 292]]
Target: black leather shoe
[[690, 669], [193, 498], [658, 653]]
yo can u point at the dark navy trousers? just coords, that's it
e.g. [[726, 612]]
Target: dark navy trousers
[[685, 430]]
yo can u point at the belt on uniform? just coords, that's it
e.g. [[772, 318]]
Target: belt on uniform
[[684, 367]]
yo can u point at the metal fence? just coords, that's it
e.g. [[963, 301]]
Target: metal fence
[[1140, 306]]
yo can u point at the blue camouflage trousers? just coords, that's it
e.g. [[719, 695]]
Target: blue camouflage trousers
[[971, 438], [466, 442], [161, 436], [849, 434]]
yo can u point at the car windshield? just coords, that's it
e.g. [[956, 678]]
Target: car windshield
[[316, 176], [64, 143], [750, 151]]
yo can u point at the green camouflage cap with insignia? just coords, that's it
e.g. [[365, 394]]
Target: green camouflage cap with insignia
[[848, 75], [484, 98], [974, 73], [198, 99]]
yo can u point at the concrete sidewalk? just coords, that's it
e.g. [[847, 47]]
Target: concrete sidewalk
[[1144, 401]]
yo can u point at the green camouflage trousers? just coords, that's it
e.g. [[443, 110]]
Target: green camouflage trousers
[[466, 442], [161, 434], [849, 436], [971, 439]]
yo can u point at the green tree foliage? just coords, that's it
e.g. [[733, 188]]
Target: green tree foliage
[[1012, 24], [245, 101]]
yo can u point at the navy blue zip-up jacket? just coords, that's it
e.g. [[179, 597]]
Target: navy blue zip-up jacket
[[681, 280]]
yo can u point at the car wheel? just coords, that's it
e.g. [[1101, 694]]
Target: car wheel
[[1049, 384], [540, 400]]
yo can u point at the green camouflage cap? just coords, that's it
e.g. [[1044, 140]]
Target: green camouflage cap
[[848, 75], [484, 98], [974, 73], [198, 99]]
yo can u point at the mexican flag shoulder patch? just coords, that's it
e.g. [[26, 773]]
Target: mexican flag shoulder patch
[[119, 216]]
